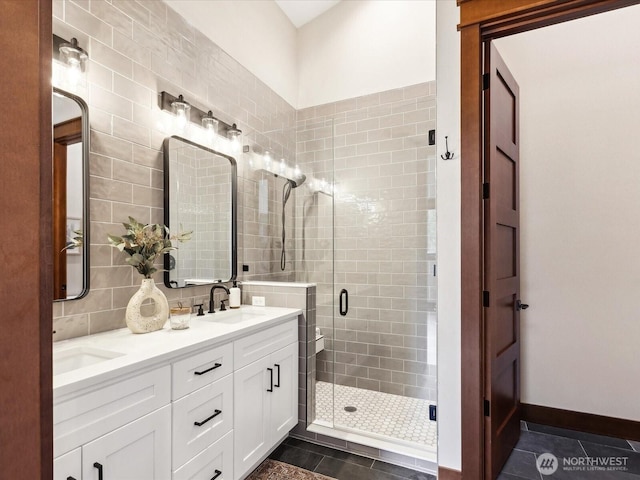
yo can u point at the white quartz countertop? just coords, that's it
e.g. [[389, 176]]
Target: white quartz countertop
[[138, 351]]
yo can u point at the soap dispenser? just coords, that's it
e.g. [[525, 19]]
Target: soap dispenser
[[234, 296]]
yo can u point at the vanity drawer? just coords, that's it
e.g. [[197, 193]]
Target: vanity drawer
[[216, 459], [212, 408], [101, 409], [254, 347], [200, 369]]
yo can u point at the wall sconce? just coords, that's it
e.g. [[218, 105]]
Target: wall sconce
[[185, 112], [210, 123], [181, 110], [73, 58], [233, 134]]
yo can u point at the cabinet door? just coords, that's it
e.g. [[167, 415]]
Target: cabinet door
[[141, 450], [251, 415], [284, 400], [68, 466]]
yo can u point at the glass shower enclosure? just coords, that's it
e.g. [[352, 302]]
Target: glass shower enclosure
[[365, 233]]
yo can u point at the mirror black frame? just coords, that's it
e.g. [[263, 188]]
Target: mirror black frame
[[86, 225], [234, 206]]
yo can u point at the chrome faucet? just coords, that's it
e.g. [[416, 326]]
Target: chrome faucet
[[211, 302]]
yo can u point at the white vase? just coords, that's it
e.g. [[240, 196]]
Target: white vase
[[136, 321]]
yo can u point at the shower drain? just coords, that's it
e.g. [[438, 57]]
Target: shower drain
[[350, 409]]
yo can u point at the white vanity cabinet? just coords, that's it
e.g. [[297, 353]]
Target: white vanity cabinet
[[266, 393], [119, 430], [210, 409]]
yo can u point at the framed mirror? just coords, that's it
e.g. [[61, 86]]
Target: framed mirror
[[200, 190], [70, 118]]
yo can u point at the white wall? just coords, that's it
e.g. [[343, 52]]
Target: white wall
[[448, 228], [255, 33], [580, 227], [365, 46]]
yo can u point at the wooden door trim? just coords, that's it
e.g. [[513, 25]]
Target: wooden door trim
[[582, 422], [26, 425], [483, 20]]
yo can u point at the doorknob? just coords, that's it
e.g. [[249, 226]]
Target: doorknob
[[521, 306]]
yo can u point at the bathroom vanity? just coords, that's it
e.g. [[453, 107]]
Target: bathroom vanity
[[208, 402]]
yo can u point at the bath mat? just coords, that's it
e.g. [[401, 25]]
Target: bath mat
[[274, 470]]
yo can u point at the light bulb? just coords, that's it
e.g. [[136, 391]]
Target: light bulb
[[235, 144], [267, 160], [181, 119], [181, 109], [283, 166], [74, 74], [210, 124]]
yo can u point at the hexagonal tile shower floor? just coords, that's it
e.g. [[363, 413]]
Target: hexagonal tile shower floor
[[394, 416]]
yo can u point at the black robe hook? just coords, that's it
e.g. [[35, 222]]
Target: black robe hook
[[448, 155]]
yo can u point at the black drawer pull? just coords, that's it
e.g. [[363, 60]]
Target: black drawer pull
[[217, 474], [99, 467], [215, 414], [71, 478], [270, 389], [278, 380], [217, 365]]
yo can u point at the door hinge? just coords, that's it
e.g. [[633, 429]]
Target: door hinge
[[485, 191], [487, 408], [485, 81], [485, 298]]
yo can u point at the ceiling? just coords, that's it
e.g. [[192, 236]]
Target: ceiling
[[303, 11]]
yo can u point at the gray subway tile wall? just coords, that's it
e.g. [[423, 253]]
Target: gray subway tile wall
[[136, 50], [380, 225]]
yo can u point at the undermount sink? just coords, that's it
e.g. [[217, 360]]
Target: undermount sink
[[78, 357], [235, 315]]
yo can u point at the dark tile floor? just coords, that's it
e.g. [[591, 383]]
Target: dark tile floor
[[341, 465], [535, 440], [571, 448]]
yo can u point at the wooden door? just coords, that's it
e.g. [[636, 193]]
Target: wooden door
[[501, 263]]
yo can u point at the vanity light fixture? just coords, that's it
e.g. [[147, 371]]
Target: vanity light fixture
[[73, 58], [203, 118], [181, 110], [210, 123], [233, 134]]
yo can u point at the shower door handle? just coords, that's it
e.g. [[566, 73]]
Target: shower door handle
[[344, 302]]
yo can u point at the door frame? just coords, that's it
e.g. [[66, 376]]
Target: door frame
[[26, 288], [480, 21]]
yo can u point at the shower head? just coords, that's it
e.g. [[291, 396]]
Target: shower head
[[294, 178], [299, 180]]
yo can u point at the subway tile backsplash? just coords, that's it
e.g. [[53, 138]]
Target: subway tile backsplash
[[137, 50]]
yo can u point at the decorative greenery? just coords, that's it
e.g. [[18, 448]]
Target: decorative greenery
[[145, 243], [75, 242]]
